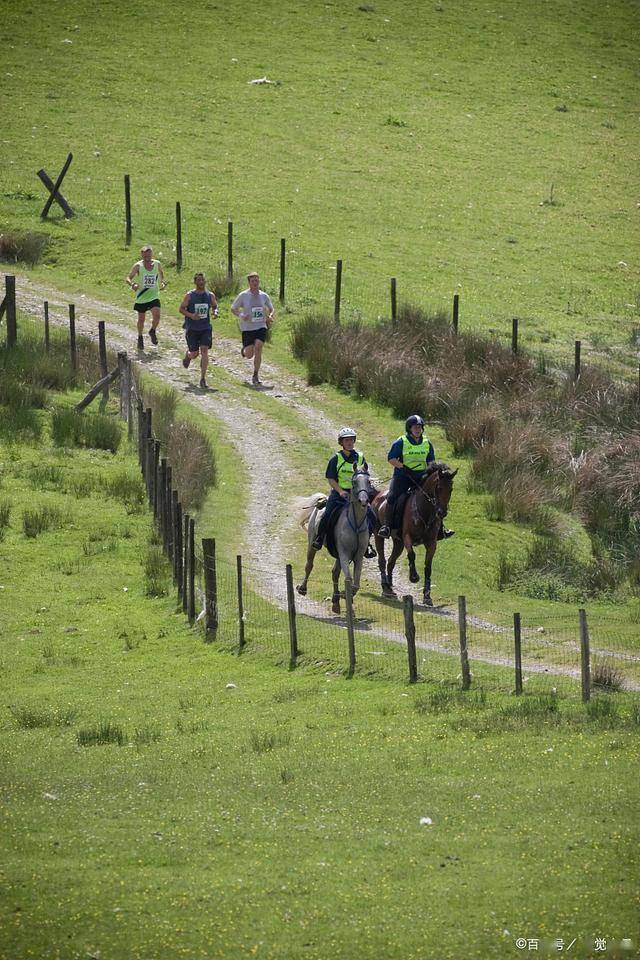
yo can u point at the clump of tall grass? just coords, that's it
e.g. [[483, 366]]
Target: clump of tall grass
[[22, 246], [223, 284], [192, 460], [102, 733], [5, 513], [163, 403], [41, 519], [155, 571], [127, 486], [15, 394], [19, 423], [606, 676], [29, 718], [69, 428]]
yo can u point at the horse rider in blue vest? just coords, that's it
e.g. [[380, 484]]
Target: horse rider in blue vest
[[339, 473], [409, 456]]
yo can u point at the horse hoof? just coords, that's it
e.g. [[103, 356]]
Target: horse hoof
[[389, 592], [301, 590], [335, 607], [428, 602], [414, 577]]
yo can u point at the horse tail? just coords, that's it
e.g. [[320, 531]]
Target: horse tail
[[304, 506]]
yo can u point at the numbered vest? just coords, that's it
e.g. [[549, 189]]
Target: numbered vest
[[414, 455], [345, 470], [148, 282]]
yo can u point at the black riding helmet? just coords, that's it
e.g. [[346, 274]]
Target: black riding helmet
[[413, 421]]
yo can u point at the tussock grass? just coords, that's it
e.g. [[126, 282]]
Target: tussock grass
[[5, 514], [606, 676], [72, 429], [19, 423], [29, 718], [603, 710], [102, 733], [22, 246], [15, 394], [223, 284], [263, 741], [143, 736], [127, 486], [41, 519], [46, 475], [156, 575]]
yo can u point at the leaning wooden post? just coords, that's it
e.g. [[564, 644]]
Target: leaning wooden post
[[102, 353], [410, 634], [47, 341], [584, 656], [514, 336], [56, 187], [230, 249], [394, 301], [336, 303], [192, 572], [241, 638], [282, 268], [72, 336], [576, 361], [210, 590], [517, 637], [456, 311], [185, 561], [127, 209], [350, 632], [293, 630], [178, 237], [464, 655], [10, 308]]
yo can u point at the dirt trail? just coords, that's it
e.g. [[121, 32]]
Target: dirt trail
[[271, 523]]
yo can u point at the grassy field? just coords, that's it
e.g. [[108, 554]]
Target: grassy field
[[480, 148], [351, 818]]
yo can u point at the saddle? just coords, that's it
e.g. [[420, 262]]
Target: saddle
[[393, 515]]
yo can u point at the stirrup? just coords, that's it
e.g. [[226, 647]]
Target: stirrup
[[384, 531], [317, 543], [370, 552], [447, 533]]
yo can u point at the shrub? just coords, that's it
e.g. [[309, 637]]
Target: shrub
[[26, 246], [192, 460]]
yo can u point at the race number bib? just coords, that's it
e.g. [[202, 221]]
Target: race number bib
[[202, 311], [149, 280], [257, 314]]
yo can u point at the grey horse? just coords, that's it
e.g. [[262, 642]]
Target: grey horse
[[351, 534]]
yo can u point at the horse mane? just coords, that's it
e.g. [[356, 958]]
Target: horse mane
[[438, 465]]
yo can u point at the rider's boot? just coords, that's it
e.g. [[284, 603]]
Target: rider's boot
[[370, 552], [444, 534], [319, 537]]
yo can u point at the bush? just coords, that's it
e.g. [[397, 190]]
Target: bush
[[192, 460], [26, 246]]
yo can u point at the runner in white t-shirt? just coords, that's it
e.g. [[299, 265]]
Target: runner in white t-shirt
[[255, 313]]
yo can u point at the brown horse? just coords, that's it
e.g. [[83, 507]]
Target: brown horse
[[424, 510]]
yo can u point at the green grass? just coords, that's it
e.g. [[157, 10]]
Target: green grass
[[444, 146], [281, 815]]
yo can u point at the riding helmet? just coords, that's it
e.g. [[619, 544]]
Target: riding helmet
[[413, 421], [345, 433]]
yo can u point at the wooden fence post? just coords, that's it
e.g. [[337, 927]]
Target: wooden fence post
[[162, 493], [72, 336], [174, 534], [517, 637], [169, 511], [102, 353], [584, 656], [394, 301], [464, 655], [241, 638], [156, 478], [514, 336], [178, 237], [47, 340], [192, 571], [185, 561], [282, 268], [293, 630], [456, 311], [141, 427], [179, 551], [576, 361], [410, 634], [127, 209], [122, 367], [10, 309], [348, 593], [210, 590], [150, 472], [336, 302], [230, 249], [130, 397]]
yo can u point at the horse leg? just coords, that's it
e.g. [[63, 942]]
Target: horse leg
[[302, 587], [430, 549], [357, 569], [382, 564], [335, 599], [395, 553], [411, 557]]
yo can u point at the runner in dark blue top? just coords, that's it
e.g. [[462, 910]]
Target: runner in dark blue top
[[196, 309]]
